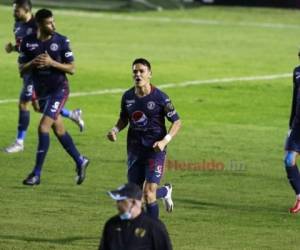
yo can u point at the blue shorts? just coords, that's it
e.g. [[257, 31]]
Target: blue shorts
[[52, 104], [26, 92], [147, 166], [293, 141]]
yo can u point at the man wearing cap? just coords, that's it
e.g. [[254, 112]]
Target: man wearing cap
[[131, 229]]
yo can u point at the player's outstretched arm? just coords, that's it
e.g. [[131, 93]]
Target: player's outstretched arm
[[112, 134], [173, 130]]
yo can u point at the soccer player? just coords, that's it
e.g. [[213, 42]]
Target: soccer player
[[131, 229], [48, 58], [25, 25], [145, 108], [292, 146]]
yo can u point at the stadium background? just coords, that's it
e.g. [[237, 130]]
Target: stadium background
[[228, 71]]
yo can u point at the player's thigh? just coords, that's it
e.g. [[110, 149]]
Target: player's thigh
[[58, 126], [154, 166], [55, 103], [26, 92], [136, 170]]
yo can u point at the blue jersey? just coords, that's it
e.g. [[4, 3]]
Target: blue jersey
[[295, 113], [47, 80], [22, 29], [146, 116]]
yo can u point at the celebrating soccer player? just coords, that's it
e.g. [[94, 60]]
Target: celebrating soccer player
[[145, 107], [25, 25], [47, 56]]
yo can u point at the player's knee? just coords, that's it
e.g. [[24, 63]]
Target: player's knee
[[289, 160], [44, 128], [24, 106], [149, 196]]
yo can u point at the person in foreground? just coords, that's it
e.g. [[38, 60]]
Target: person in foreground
[[131, 228]]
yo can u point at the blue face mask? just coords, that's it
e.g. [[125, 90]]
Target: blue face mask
[[126, 216]]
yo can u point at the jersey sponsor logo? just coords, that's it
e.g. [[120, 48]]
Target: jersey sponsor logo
[[170, 114], [68, 54], [129, 103], [31, 46], [151, 105], [139, 119], [29, 31], [170, 110], [54, 46], [140, 232]]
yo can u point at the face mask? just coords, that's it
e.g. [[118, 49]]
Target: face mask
[[126, 216]]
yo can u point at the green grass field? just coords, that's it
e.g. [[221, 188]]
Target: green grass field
[[243, 121]]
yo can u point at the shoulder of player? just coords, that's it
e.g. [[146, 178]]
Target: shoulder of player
[[29, 38], [61, 38], [113, 221], [160, 95], [129, 93], [297, 69]]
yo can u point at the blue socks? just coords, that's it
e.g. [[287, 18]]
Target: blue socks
[[294, 178], [153, 210], [24, 118], [161, 192], [65, 112], [42, 150], [68, 144]]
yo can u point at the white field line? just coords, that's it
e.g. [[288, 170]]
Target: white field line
[[177, 85], [156, 19]]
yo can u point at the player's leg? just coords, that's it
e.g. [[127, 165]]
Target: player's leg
[[43, 145], [75, 116], [67, 142], [154, 171], [290, 162], [24, 116], [135, 172]]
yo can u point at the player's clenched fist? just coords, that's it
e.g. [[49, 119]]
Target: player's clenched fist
[[112, 134]]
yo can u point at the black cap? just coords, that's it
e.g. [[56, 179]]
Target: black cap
[[127, 191]]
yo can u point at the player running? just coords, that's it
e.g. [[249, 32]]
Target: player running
[[292, 146], [25, 25], [145, 108], [47, 56]]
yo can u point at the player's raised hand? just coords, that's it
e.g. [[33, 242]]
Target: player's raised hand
[[9, 48]]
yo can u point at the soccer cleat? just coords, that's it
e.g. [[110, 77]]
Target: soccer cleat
[[167, 200], [81, 170], [76, 116], [15, 148], [32, 180], [296, 207]]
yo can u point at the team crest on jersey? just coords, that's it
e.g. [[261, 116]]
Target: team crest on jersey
[[140, 232], [29, 31], [139, 119], [54, 46], [151, 105]]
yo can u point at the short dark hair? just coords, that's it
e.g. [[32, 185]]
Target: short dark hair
[[42, 14], [26, 4], [142, 61]]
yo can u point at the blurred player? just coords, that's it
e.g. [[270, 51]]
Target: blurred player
[[26, 25], [48, 58], [145, 108], [292, 146]]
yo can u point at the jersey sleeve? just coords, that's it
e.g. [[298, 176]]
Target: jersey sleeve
[[23, 56], [123, 112], [67, 54], [294, 100], [169, 109]]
